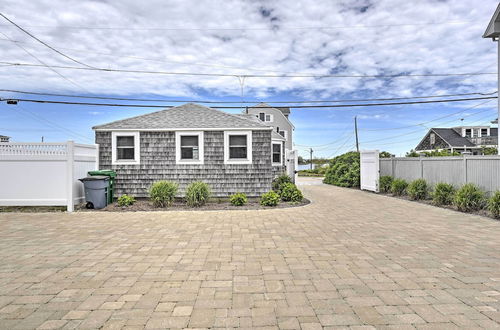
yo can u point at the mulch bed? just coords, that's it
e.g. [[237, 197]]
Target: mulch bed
[[217, 204], [483, 212]]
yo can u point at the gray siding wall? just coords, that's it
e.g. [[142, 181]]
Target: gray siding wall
[[158, 163]]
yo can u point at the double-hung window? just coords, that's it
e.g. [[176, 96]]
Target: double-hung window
[[484, 132], [238, 147], [125, 148], [277, 153], [265, 117], [189, 147]]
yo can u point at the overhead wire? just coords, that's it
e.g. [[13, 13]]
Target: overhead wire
[[403, 75], [44, 43]]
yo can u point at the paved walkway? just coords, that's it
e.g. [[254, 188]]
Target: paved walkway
[[349, 260]]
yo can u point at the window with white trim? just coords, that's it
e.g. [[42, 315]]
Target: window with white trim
[[238, 147], [468, 132], [433, 138], [484, 132], [277, 153], [189, 147], [125, 148]]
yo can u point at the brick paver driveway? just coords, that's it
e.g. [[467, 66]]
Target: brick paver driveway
[[349, 260]]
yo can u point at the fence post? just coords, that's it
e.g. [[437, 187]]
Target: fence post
[[465, 169], [392, 166], [97, 157], [70, 160], [421, 167]]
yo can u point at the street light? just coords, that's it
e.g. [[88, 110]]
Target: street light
[[493, 32]]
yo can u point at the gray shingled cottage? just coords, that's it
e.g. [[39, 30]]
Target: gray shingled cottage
[[231, 152]]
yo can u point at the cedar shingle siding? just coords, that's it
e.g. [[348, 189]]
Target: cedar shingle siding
[[157, 162]]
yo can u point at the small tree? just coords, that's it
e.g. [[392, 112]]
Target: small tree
[[412, 153]]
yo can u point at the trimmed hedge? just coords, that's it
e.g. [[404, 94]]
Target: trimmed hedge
[[344, 170]]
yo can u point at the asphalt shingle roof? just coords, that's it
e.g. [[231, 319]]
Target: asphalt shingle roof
[[189, 115], [453, 138]]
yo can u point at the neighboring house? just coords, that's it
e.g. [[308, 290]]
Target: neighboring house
[[232, 153], [277, 118], [4, 138], [470, 139]]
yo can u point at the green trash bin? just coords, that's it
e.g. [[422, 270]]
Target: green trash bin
[[112, 175]]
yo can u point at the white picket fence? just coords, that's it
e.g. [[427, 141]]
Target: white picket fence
[[45, 174]]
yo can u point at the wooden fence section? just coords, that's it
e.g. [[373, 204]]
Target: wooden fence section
[[484, 171], [44, 174]]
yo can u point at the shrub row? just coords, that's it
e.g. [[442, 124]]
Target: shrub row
[[467, 198], [162, 194]]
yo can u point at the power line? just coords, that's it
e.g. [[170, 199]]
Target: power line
[[240, 28], [45, 64], [262, 107], [425, 122], [44, 43], [247, 102], [256, 75]]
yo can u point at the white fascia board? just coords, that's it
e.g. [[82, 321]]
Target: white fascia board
[[266, 128]]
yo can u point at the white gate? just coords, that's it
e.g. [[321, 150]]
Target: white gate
[[369, 170]]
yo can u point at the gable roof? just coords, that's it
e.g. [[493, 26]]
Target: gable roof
[[280, 110], [453, 138], [186, 116], [493, 29]]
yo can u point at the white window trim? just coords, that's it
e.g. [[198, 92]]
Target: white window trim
[[137, 149], [281, 152], [201, 148], [246, 161], [271, 117]]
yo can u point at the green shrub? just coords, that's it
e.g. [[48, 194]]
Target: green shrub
[[270, 198], [443, 194], [126, 200], [197, 194], [469, 198], [398, 187], [279, 181], [494, 204], [385, 183], [238, 199], [162, 193], [290, 193], [344, 170], [418, 189]]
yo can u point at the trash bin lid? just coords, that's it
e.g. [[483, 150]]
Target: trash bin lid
[[109, 173], [94, 178]]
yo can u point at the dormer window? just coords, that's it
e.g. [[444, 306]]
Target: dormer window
[[484, 132], [468, 132], [265, 117]]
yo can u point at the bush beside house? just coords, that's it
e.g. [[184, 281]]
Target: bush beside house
[[197, 194], [443, 194], [238, 199], [162, 193]]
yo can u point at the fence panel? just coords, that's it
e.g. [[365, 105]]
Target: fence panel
[[483, 171], [43, 174]]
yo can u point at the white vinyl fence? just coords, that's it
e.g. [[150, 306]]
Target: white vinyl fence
[[484, 171], [36, 174]]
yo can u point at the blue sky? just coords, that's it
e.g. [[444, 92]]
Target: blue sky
[[358, 37]]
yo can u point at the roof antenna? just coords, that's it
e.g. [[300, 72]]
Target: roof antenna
[[241, 80]]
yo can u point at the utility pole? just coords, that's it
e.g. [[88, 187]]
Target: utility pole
[[356, 132], [42, 138], [311, 158]]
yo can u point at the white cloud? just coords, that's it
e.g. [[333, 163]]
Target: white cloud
[[380, 49]]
